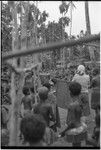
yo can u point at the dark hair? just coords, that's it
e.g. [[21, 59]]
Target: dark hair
[[32, 89], [25, 90], [47, 85], [75, 88], [43, 93], [33, 128], [43, 96]]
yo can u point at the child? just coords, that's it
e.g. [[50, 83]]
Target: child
[[33, 128], [74, 124], [77, 130], [53, 102], [26, 102], [32, 94], [45, 109], [75, 91]]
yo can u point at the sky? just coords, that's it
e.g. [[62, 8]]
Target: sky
[[52, 7]]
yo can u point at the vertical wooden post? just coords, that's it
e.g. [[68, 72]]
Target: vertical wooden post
[[13, 119]]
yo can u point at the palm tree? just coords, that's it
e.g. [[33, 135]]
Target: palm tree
[[72, 6], [88, 28], [87, 17], [63, 10]]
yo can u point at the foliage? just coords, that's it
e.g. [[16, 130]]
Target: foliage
[[6, 28], [64, 7], [64, 21]]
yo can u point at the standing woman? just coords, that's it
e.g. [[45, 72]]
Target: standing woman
[[82, 78]]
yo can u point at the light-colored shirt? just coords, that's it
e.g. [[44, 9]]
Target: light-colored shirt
[[83, 80]]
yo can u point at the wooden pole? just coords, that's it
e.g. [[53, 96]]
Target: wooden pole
[[50, 47], [13, 120]]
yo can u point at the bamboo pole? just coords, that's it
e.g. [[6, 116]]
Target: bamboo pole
[[50, 47]]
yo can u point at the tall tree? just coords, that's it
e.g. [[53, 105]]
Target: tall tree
[[72, 6], [6, 28], [87, 17], [14, 112], [88, 28]]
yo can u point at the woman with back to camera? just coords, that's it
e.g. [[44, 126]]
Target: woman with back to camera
[[84, 80]]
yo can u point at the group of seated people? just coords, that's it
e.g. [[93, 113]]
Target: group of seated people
[[41, 119]]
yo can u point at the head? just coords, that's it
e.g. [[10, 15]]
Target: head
[[25, 90], [33, 128], [81, 70], [75, 89], [47, 85], [96, 71], [32, 89], [43, 93]]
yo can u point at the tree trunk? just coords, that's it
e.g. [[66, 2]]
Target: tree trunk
[[91, 50], [13, 120], [71, 18], [87, 18], [70, 49]]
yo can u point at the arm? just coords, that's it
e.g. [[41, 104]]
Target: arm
[[13, 68], [70, 126], [18, 70], [52, 117]]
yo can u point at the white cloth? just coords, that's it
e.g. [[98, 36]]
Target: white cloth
[[81, 69], [83, 80]]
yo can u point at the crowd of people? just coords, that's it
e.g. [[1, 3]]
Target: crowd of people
[[40, 118]]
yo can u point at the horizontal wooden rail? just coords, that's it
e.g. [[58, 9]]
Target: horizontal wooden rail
[[50, 47]]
